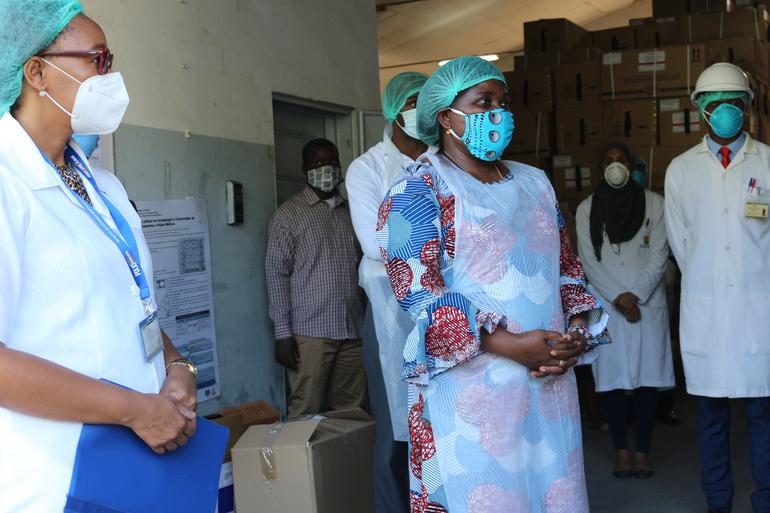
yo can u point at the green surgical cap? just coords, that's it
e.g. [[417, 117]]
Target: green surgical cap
[[442, 88], [26, 28], [704, 99], [399, 89]]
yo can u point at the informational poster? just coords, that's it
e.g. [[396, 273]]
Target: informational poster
[[177, 232]]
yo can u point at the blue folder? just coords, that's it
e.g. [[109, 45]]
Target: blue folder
[[116, 472]]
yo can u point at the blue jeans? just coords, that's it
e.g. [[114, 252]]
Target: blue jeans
[[714, 442], [391, 459]]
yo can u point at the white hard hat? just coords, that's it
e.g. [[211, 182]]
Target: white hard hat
[[722, 77]]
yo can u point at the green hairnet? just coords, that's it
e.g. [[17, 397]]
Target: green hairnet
[[442, 88], [704, 99], [26, 27], [399, 89]]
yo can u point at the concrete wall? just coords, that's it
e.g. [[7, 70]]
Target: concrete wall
[[209, 68]]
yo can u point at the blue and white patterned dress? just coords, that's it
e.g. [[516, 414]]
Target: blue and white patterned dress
[[484, 435]]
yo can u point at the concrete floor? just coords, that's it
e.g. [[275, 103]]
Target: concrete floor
[[675, 487]]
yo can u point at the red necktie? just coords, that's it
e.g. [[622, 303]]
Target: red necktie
[[725, 152]]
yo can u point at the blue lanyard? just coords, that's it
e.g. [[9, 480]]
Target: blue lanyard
[[125, 240]]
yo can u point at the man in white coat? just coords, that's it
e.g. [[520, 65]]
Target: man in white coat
[[386, 327], [622, 244], [717, 196]]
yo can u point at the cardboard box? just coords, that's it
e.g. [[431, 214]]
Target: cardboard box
[[666, 8], [556, 57], [575, 177], [658, 159], [531, 88], [257, 412], [657, 33], [749, 54], [679, 121], [578, 84], [579, 129], [614, 39], [701, 6], [633, 122], [670, 71], [320, 465], [539, 161], [745, 23], [553, 34], [533, 132], [232, 421]]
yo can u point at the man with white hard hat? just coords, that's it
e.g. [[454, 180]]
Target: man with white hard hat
[[717, 197]]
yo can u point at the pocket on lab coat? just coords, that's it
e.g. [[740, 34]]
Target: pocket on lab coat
[[697, 334]]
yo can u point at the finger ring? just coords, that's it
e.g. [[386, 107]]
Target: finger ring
[[562, 363]]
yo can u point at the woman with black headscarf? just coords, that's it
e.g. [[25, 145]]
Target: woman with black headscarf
[[622, 243]]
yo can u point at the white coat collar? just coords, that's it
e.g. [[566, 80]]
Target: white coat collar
[[23, 157], [749, 147], [392, 149]]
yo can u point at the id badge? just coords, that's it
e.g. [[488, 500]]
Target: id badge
[[151, 338], [756, 210]]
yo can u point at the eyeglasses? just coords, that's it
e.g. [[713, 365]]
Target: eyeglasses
[[105, 57]]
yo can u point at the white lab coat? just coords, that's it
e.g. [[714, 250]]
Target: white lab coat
[[725, 264], [66, 295], [368, 179], [640, 353]]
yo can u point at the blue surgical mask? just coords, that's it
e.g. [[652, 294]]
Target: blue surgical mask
[[487, 134], [87, 143], [726, 120]]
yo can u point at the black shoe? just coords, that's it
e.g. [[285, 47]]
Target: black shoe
[[670, 419], [644, 473], [718, 510], [622, 474]]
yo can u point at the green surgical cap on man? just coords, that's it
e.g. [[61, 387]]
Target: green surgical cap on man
[[26, 28], [400, 88], [442, 88], [707, 98]]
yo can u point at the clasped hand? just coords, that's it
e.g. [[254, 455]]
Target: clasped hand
[[545, 353]]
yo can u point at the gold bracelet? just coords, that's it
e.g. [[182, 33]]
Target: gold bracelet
[[186, 363]]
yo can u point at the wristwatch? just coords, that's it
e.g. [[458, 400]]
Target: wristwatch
[[186, 363]]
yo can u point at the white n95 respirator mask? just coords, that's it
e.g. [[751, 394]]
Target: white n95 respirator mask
[[100, 103], [410, 123], [617, 175]]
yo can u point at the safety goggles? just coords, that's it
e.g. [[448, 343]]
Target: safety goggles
[[104, 56]]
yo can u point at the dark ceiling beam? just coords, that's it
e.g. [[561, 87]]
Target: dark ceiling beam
[[382, 5]]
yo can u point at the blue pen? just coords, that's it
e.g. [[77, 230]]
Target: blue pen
[[750, 180]]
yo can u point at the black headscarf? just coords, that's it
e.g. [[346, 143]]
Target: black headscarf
[[619, 212]]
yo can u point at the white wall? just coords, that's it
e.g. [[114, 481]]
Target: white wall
[[210, 66]]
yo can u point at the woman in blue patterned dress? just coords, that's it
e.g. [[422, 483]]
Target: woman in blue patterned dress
[[478, 254]]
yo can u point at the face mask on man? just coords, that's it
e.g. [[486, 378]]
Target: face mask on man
[[410, 123], [616, 175], [325, 178], [100, 103], [487, 134], [726, 120]]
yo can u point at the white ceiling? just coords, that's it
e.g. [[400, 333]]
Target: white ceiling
[[415, 35]]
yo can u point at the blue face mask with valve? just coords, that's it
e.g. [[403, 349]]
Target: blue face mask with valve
[[487, 134], [726, 120]]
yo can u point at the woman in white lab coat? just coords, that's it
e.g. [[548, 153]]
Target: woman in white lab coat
[[75, 271], [622, 243]]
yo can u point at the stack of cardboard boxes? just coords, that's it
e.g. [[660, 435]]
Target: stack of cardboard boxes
[[574, 91]]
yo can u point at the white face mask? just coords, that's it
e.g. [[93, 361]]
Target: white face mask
[[617, 175], [100, 103], [410, 123]]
